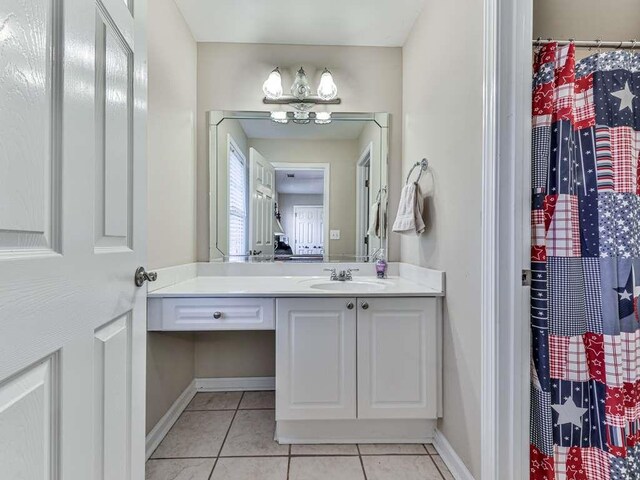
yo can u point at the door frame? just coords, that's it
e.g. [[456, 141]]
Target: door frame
[[506, 239], [362, 221], [326, 168]]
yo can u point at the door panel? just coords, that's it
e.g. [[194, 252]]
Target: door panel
[[28, 85], [71, 317], [315, 359], [397, 335], [28, 423], [112, 377]]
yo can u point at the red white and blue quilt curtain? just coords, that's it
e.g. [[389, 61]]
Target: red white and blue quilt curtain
[[585, 375]]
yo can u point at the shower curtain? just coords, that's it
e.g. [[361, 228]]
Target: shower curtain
[[585, 368]]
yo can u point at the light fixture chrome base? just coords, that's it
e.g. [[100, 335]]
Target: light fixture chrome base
[[291, 100]]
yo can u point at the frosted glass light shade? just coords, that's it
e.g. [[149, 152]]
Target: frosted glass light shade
[[322, 118], [272, 87], [280, 117], [327, 89]]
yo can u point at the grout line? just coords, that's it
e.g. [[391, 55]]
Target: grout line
[[215, 462], [224, 440], [230, 456], [289, 462], [364, 472], [437, 468]]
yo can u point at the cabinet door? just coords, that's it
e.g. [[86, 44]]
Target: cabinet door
[[315, 359], [397, 358]]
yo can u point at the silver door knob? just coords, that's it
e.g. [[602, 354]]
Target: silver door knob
[[217, 315], [364, 305], [142, 276], [350, 305]]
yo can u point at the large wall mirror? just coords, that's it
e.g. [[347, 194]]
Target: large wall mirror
[[297, 192]]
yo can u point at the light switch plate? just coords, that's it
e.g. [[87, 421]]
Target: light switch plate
[[334, 234]]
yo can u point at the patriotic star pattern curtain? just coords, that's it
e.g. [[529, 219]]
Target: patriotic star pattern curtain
[[585, 382]]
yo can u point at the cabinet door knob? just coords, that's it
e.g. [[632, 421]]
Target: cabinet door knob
[[217, 315], [364, 305], [350, 305]]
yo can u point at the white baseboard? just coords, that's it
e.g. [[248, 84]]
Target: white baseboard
[[237, 384], [451, 459], [163, 426]]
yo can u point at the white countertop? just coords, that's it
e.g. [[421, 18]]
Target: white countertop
[[296, 286]]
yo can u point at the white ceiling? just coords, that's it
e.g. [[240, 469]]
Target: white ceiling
[[336, 130], [379, 23], [310, 182]]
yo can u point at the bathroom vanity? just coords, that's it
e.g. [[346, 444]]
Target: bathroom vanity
[[356, 361]]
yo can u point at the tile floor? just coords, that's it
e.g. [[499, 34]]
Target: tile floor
[[229, 436]]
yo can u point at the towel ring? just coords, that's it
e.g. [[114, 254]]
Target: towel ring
[[423, 164]]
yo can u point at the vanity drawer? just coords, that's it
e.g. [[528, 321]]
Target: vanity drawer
[[184, 314]]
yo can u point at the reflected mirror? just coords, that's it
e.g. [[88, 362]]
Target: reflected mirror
[[297, 192]]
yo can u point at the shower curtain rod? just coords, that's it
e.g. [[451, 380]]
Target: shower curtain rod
[[626, 44]]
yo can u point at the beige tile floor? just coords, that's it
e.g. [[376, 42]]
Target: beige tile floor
[[229, 436]]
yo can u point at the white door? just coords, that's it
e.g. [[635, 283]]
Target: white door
[[72, 232], [315, 358], [397, 358], [261, 204], [308, 230]]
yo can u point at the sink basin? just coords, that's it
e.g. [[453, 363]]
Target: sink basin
[[350, 286]]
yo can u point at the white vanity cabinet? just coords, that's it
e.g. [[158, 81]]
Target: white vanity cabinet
[[357, 358], [315, 358], [397, 358]]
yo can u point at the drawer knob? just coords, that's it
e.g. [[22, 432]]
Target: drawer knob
[[350, 305], [217, 315], [364, 305]]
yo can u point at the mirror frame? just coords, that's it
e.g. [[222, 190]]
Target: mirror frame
[[215, 117]]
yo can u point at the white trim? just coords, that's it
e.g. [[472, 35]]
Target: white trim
[[157, 433], [355, 431], [451, 459], [505, 239], [362, 221], [237, 384], [325, 197]]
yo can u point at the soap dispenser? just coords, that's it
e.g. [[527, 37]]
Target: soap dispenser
[[381, 264]]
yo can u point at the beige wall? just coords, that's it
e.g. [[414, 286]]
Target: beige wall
[[170, 368], [442, 108], [171, 137], [230, 77], [342, 155], [586, 19], [235, 354], [171, 188]]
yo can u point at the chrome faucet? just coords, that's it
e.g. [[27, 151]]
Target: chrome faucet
[[342, 276]]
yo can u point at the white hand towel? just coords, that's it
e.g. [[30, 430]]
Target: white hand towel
[[409, 218], [374, 224]]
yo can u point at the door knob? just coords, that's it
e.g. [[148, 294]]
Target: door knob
[[350, 305], [142, 276], [364, 305]]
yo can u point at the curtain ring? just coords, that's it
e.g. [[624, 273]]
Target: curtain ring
[[633, 44], [599, 45]]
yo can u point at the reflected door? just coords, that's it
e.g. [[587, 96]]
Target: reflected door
[[261, 206], [309, 226], [72, 232]]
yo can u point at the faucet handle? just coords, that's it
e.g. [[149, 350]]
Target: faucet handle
[[353, 269], [332, 270]]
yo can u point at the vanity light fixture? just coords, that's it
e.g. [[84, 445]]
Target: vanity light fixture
[[301, 99]]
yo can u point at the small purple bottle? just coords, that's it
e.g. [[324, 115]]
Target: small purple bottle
[[381, 265]]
